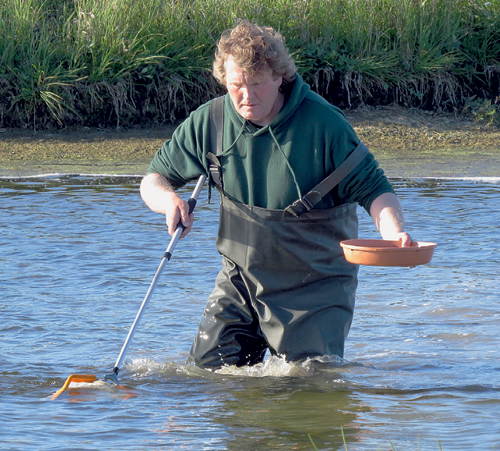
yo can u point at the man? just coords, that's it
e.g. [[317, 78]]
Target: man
[[284, 285]]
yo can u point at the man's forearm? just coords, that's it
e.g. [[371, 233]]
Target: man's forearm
[[157, 191], [387, 215]]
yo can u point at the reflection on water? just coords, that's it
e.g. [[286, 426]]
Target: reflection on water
[[77, 255]]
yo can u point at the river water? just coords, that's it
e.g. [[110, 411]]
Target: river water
[[78, 254]]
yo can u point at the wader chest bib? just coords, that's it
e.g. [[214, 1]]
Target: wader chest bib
[[284, 286]]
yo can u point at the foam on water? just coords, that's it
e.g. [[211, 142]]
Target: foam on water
[[59, 176], [277, 366], [482, 179], [273, 366]]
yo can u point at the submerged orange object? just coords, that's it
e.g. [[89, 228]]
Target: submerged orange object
[[78, 378], [387, 253]]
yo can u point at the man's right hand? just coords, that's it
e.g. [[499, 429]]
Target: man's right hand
[[160, 196], [177, 212]]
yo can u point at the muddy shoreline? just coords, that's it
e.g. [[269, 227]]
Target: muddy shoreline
[[407, 143]]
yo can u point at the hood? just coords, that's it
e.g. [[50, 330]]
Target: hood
[[298, 93], [241, 126]]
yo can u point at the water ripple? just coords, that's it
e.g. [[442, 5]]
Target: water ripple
[[78, 254]]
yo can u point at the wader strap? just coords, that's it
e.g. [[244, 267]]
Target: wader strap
[[308, 201], [216, 133]]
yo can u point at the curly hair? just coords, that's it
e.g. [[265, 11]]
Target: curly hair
[[254, 48]]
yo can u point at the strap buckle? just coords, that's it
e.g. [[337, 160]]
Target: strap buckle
[[215, 170], [299, 207]]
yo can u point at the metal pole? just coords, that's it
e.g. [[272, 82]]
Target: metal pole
[[166, 257]]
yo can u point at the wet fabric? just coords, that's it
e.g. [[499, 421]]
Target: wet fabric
[[285, 285]]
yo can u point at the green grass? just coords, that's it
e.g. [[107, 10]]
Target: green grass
[[119, 62]]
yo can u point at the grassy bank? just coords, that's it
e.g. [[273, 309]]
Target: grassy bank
[[121, 63]]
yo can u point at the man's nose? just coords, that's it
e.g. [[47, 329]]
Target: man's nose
[[247, 92]]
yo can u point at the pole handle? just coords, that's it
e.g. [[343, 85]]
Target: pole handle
[[193, 199]]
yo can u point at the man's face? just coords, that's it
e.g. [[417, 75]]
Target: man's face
[[256, 98]]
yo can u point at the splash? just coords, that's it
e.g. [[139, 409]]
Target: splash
[[277, 366], [273, 366]]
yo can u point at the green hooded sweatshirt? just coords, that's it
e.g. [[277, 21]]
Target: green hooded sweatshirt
[[273, 166]]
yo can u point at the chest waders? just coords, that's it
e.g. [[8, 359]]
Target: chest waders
[[285, 284]]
